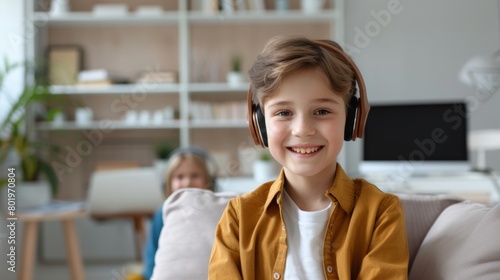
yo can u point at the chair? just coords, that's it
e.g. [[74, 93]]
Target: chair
[[131, 193]]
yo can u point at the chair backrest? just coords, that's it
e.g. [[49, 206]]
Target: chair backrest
[[124, 192]]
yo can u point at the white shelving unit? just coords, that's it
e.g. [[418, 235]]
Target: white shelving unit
[[188, 35], [184, 19]]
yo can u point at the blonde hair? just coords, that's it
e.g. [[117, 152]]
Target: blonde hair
[[175, 161], [285, 55]]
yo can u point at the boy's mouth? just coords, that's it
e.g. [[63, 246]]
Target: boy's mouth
[[304, 151]]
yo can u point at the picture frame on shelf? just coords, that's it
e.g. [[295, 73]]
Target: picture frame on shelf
[[64, 63]]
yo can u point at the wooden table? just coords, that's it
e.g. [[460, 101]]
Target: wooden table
[[31, 222]]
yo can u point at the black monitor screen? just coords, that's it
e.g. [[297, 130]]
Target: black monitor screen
[[416, 132]]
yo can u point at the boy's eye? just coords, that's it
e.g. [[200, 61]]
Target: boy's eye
[[283, 113], [322, 112]]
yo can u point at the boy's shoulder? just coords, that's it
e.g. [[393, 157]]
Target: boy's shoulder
[[368, 191], [259, 197], [261, 193]]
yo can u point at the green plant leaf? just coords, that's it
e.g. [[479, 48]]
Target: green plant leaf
[[3, 182], [50, 175], [30, 167]]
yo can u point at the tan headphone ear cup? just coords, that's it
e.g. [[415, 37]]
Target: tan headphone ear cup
[[260, 125], [252, 119], [350, 121]]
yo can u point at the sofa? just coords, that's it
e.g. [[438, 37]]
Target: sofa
[[448, 238]]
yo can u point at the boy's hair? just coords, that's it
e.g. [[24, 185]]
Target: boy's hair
[[175, 161], [285, 55]]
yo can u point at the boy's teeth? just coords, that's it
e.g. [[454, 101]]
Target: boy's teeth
[[305, 151]]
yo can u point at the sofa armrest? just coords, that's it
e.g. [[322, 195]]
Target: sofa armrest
[[421, 211]]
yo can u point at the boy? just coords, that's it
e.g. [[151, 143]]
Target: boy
[[313, 222]]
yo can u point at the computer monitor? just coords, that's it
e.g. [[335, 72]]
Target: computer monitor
[[415, 138]]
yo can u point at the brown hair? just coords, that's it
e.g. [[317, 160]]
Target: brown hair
[[284, 55], [175, 161]]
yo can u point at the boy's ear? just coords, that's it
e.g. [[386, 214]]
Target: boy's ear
[[256, 121]]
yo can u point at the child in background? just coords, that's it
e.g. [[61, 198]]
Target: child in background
[[313, 222], [187, 168]]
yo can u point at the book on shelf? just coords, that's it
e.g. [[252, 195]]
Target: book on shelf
[[149, 10], [158, 77], [223, 111], [110, 10], [256, 5], [100, 77]]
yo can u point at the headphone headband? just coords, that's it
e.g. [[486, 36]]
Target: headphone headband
[[363, 105]]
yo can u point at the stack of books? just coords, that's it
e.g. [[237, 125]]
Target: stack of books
[[228, 6], [222, 111], [100, 77]]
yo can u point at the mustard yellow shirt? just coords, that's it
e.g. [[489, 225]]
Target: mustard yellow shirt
[[365, 236]]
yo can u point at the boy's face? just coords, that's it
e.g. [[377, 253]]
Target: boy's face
[[305, 124]]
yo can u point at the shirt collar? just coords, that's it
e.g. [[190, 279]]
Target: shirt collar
[[342, 190]]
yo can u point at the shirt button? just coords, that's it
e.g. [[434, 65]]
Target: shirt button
[[276, 275], [329, 269], [283, 227]]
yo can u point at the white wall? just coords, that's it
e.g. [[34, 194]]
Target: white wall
[[12, 48], [419, 52]]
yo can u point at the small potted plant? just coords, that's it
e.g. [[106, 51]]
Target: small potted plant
[[24, 153], [263, 167], [235, 76]]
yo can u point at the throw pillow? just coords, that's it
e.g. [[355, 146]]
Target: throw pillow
[[190, 217], [463, 244]]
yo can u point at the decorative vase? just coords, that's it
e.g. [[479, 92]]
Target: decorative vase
[[59, 7], [312, 6], [263, 171], [234, 78], [30, 194]]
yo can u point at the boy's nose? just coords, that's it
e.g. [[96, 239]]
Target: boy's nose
[[303, 126]]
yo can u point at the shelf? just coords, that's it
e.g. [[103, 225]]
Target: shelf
[[218, 124], [217, 87], [88, 18], [115, 89], [149, 88], [268, 16], [173, 17], [108, 125], [121, 125]]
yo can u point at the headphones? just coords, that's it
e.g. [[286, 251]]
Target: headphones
[[209, 160], [357, 109]]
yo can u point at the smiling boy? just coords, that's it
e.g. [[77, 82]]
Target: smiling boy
[[313, 221]]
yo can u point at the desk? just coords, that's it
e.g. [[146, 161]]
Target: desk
[[31, 223], [474, 186]]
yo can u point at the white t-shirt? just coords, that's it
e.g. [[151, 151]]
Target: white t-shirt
[[305, 233]]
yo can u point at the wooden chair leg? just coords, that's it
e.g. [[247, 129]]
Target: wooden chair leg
[[73, 251], [29, 250], [140, 236]]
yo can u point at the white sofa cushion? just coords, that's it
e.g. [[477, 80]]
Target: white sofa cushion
[[463, 243], [190, 217]]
